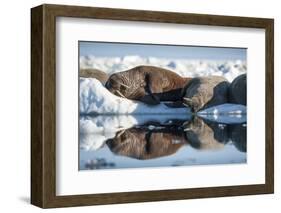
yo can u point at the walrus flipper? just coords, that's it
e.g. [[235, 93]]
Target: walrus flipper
[[188, 93], [149, 98]]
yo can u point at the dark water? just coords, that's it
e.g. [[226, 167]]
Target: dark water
[[114, 142]]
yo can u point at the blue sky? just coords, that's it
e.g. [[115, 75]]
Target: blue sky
[[106, 49]]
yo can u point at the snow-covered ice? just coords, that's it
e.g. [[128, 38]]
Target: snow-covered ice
[[226, 119], [234, 109], [184, 67]]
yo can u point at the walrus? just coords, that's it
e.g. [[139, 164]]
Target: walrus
[[94, 73], [238, 90], [203, 92], [147, 84], [146, 144]]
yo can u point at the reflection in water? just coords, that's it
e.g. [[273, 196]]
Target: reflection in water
[[161, 142], [203, 134], [141, 143]]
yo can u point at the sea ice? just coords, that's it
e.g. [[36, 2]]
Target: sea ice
[[225, 113]]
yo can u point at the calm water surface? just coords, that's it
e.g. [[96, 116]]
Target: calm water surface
[[115, 142]]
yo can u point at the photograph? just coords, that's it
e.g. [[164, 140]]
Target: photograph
[[140, 105], [161, 105]]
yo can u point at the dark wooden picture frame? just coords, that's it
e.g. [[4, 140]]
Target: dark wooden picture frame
[[43, 105]]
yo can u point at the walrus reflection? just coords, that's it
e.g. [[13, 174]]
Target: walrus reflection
[[238, 135], [205, 135], [235, 133], [201, 136], [145, 144], [147, 84]]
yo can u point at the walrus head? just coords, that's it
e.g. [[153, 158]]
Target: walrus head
[[128, 84]]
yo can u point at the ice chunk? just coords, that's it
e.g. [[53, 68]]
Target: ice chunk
[[225, 113], [236, 109]]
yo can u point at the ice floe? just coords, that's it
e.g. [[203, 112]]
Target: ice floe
[[225, 113]]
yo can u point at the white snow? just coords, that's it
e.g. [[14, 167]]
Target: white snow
[[184, 67], [96, 99]]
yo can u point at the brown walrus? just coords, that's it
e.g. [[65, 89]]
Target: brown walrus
[[147, 84], [203, 92], [94, 73]]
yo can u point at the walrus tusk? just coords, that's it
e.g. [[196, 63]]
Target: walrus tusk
[[124, 85], [119, 93], [187, 102], [120, 133], [187, 99], [121, 129]]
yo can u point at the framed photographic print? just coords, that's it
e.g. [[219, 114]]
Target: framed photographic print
[[136, 106]]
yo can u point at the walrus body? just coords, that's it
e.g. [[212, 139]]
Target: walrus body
[[204, 92], [148, 84], [238, 90], [94, 73]]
